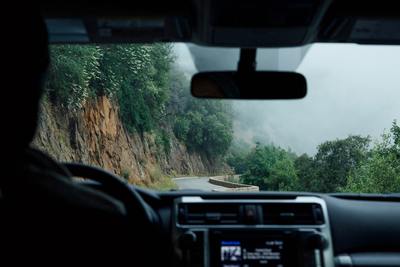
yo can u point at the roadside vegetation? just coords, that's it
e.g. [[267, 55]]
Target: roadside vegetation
[[153, 97], [353, 164], [204, 126], [149, 90]]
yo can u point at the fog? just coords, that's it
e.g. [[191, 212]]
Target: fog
[[352, 90]]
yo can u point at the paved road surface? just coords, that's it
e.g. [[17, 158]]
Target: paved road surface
[[200, 183]]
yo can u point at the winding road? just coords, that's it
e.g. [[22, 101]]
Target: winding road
[[199, 183]]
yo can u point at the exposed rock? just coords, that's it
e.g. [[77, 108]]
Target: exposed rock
[[96, 136]]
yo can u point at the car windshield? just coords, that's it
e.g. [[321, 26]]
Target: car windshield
[[128, 109]]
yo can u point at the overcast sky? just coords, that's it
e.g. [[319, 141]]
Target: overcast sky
[[352, 89]]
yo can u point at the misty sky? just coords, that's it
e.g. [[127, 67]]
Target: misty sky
[[352, 89]]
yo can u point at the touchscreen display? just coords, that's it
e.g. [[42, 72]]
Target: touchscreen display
[[253, 251]]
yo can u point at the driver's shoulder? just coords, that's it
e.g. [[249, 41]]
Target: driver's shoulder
[[44, 183]]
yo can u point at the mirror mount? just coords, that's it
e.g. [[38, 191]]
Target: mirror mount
[[247, 61]]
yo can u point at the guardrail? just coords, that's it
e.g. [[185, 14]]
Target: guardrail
[[231, 186]]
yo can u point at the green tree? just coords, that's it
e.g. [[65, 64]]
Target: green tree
[[137, 75], [335, 160], [271, 168], [306, 173], [237, 156], [204, 126], [72, 71], [380, 172], [181, 128]]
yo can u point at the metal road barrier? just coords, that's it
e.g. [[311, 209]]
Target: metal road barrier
[[231, 186]]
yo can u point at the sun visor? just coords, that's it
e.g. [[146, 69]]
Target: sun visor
[[117, 29]]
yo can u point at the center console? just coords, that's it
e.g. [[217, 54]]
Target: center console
[[251, 233]]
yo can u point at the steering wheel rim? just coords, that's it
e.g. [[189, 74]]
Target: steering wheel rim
[[136, 207]]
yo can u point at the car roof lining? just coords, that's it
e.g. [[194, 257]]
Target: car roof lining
[[205, 22]]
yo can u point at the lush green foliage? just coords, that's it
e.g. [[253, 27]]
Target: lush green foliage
[[152, 97], [237, 156], [205, 126], [380, 171], [72, 71], [342, 165], [143, 91], [136, 76], [335, 160], [271, 168], [163, 141]]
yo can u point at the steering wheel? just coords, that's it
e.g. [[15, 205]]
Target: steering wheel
[[142, 218], [137, 210]]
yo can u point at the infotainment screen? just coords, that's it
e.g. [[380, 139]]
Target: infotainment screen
[[239, 249]]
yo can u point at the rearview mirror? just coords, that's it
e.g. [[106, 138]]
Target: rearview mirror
[[252, 85]]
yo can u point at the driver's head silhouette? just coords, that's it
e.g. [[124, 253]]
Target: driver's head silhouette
[[26, 60]]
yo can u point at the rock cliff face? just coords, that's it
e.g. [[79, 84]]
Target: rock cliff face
[[95, 135]]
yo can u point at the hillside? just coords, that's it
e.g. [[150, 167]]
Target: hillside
[[127, 108], [143, 126]]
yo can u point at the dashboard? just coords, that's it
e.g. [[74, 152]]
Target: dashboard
[[210, 229], [277, 229], [248, 232]]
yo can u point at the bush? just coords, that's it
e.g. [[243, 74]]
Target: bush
[[181, 128], [159, 181], [344, 165], [163, 141], [380, 171], [73, 69], [136, 76], [270, 168], [237, 162]]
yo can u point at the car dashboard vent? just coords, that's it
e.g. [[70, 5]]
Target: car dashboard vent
[[292, 213], [199, 213], [272, 213]]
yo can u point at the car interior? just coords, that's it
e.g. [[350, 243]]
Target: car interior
[[47, 217]]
